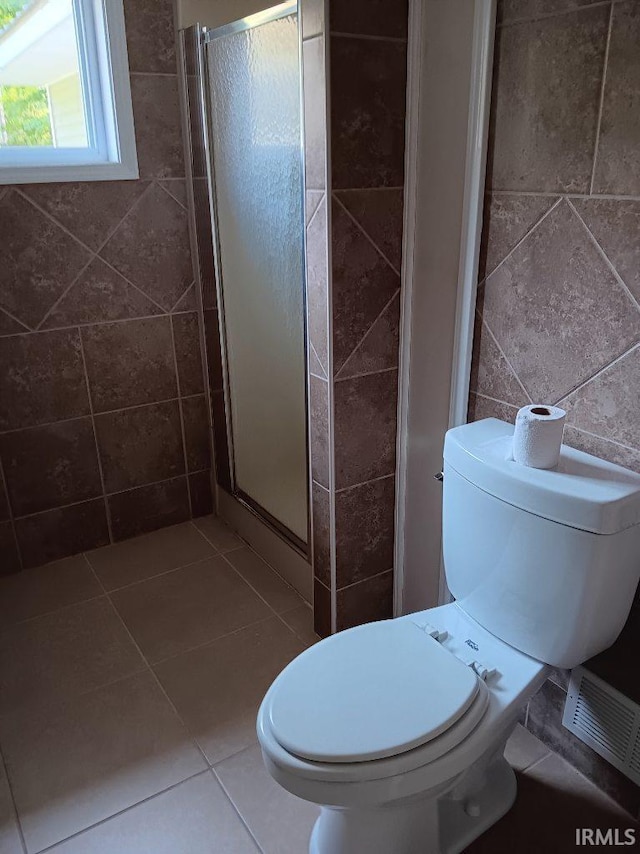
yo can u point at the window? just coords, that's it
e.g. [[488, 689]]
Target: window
[[65, 101]]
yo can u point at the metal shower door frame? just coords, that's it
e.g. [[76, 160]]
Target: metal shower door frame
[[208, 36]]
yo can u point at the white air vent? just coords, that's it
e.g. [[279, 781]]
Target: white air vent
[[604, 719]]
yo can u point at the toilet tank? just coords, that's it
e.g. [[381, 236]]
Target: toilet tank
[[546, 560]]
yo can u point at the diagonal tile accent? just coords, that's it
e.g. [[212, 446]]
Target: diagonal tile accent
[[544, 111], [617, 167], [615, 224], [188, 302], [317, 283], [607, 405], [378, 350], [485, 407], [363, 284], [9, 325], [42, 379], [100, 294], [156, 112], [557, 311], [379, 214], [312, 202], [491, 374], [507, 219], [151, 248], [314, 363], [38, 260], [89, 209], [601, 447], [177, 188]]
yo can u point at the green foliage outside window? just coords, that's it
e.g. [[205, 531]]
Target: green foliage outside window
[[8, 11], [24, 110], [24, 116]]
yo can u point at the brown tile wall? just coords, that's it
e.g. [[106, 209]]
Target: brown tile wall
[[558, 305], [355, 220], [103, 427]]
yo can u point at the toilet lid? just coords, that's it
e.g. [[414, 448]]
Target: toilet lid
[[374, 691]]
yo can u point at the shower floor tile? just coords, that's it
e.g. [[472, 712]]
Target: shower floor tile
[[131, 677]]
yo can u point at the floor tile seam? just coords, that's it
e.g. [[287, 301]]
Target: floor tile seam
[[236, 809], [131, 807]]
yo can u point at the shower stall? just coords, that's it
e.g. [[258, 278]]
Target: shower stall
[[242, 94]]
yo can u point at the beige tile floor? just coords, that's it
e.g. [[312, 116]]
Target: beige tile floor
[[130, 679]]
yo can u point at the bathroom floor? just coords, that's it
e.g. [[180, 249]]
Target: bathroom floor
[[130, 680]]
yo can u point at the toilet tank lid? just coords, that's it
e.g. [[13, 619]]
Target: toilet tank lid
[[583, 491]]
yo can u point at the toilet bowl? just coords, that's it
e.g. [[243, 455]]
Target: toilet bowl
[[397, 728], [436, 697]]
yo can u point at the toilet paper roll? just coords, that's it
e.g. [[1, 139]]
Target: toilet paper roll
[[538, 436]]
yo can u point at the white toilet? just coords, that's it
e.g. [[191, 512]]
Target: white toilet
[[397, 728]]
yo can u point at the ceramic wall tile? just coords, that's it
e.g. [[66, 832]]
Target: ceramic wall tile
[[618, 165], [547, 80], [50, 466], [368, 80]]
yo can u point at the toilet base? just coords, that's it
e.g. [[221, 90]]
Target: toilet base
[[434, 823]]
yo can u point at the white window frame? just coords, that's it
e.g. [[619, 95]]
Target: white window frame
[[104, 71]]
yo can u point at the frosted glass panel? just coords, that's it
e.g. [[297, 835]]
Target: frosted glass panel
[[254, 78]]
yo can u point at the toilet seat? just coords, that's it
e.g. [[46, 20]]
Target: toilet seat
[[373, 692]]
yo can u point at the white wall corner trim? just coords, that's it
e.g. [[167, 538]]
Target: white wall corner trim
[[448, 93]]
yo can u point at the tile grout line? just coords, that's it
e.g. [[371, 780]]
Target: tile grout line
[[26, 328], [210, 642], [52, 308], [362, 483], [319, 362], [545, 16], [159, 684], [112, 322], [94, 252], [364, 374], [181, 415], [257, 592], [99, 413], [154, 74], [323, 196], [368, 38], [164, 572], [108, 495], [173, 311], [541, 194], [600, 371], [3, 483], [108, 818], [569, 424], [364, 580], [57, 610], [534, 227], [232, 802], [362, 230], [107, 509], [171, 196], [495, 399], [339, 190], [364, 338], [13, 803], [604, 256], [605, 439], [603, 83], [504, 356]]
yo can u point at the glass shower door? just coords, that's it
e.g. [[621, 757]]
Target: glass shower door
[[255, 132]]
